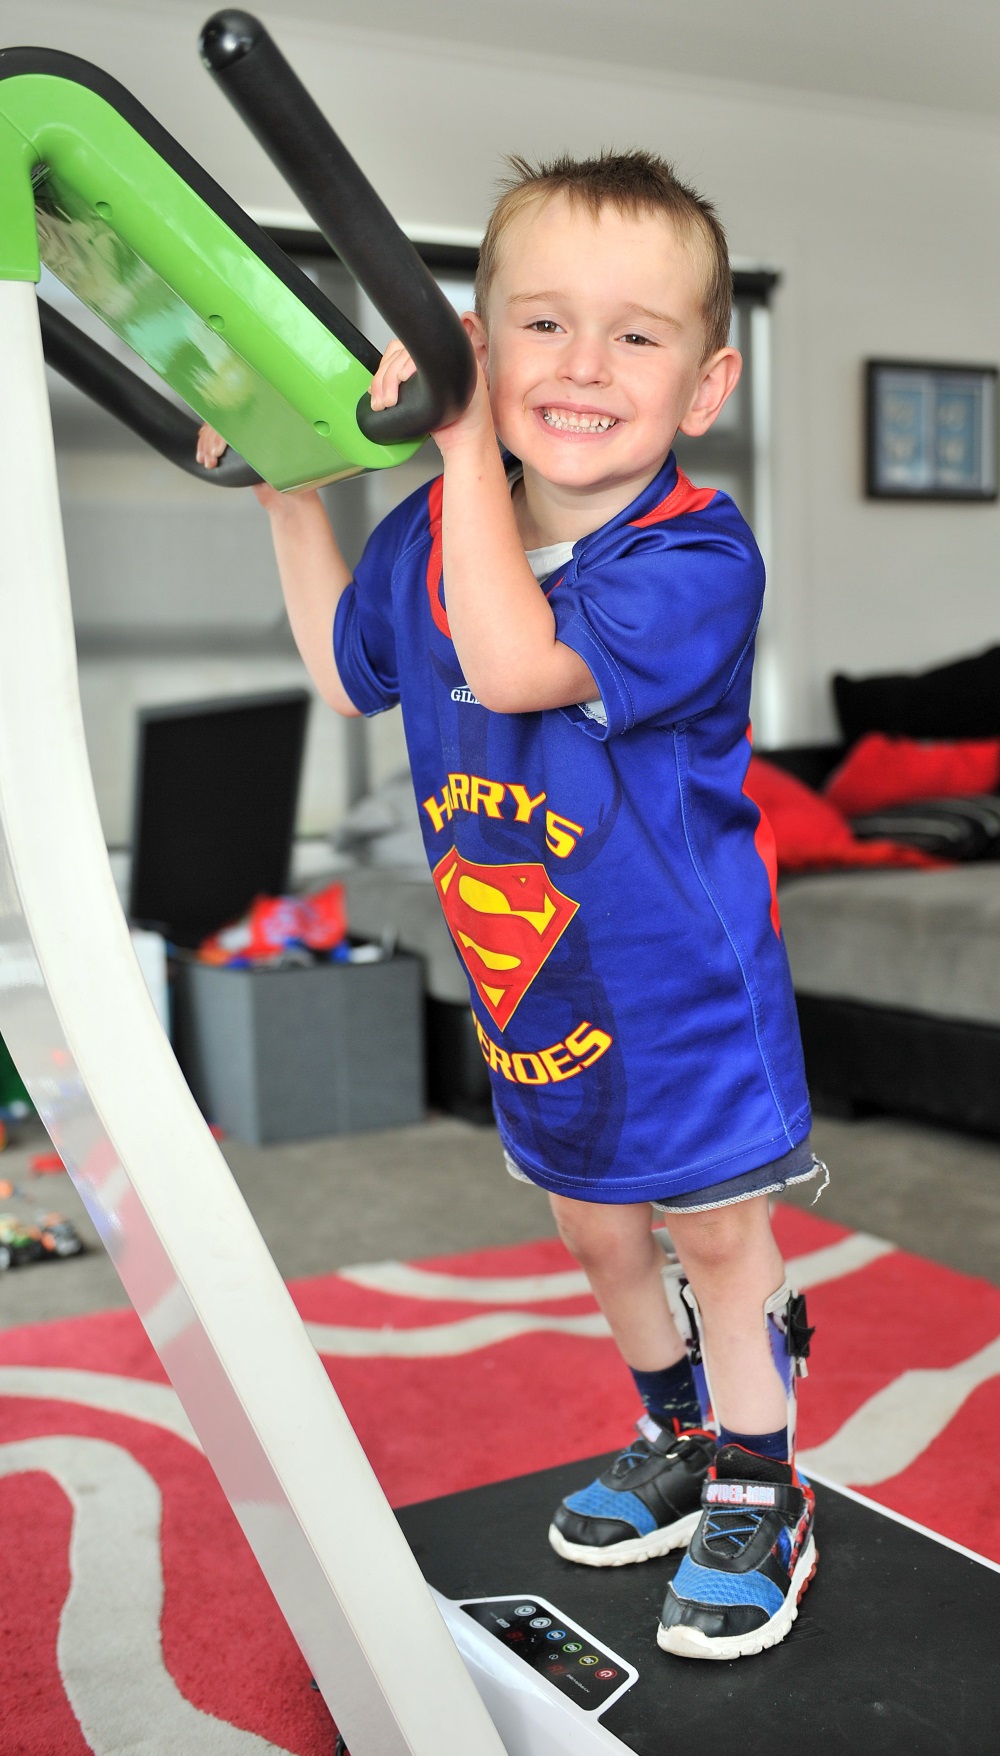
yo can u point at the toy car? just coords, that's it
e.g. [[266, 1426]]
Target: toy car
[[20, 1242], [59, 1236]]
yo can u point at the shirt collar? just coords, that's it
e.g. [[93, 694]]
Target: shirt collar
[[661, 485]]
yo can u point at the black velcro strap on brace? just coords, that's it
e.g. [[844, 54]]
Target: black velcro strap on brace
[[797, 1330]]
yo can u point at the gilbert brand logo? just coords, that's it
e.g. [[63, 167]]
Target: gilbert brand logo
[[466, 696]]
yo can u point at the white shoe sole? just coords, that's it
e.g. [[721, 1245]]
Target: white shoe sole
[[685, 1642], [647, 1548]]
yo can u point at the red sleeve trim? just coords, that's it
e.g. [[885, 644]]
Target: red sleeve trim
[[683, 497], [435, 560], [767, 851]]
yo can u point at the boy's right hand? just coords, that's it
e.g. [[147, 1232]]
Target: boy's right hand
[[211, 447]]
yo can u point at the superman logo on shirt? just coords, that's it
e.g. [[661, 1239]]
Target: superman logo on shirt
[[506, 921]]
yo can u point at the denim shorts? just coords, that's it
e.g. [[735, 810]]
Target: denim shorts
[[798, 1166]]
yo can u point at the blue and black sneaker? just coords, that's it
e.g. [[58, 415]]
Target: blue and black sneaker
[[737, 1589], [647, 1502]]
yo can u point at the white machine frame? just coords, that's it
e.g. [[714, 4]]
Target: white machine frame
[[79, 1022]]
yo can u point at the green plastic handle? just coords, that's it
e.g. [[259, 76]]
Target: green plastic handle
[[138, 231], [19, 258]]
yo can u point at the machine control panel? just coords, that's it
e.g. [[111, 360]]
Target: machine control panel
[[555, 1647]]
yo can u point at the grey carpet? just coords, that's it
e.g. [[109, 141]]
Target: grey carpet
[[440, 1187]]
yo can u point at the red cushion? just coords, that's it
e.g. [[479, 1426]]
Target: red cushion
[[810, 834], [881, 771]]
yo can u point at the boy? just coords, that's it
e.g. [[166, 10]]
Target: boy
[[570, 632]]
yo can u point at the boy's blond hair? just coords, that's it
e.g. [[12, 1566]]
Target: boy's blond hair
[[633, 182]]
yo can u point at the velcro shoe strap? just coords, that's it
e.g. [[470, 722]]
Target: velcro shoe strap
[[758, 1496], [667, 1440]]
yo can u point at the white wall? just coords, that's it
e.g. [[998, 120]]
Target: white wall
[[176, 598], [882, 221]]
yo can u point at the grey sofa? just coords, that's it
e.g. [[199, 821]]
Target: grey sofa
[[897, 979]]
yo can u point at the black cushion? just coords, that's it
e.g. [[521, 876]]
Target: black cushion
[[952, 829], [959, 700], [810, 763]]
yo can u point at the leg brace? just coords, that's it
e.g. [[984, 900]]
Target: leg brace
[[688, 1321], [788, 1336]]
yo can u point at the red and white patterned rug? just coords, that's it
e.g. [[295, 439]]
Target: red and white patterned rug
[[132, 1615]]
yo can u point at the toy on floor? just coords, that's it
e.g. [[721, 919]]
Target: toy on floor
[[280, 930], [50, 1240], [46, 1164]]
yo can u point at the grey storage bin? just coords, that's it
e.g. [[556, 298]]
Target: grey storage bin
[[296, 1053]]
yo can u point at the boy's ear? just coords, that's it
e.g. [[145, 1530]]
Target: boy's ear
[[717, 379], [476, 332]]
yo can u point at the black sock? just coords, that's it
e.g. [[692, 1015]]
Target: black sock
[[772, 1445], [669, 1396]]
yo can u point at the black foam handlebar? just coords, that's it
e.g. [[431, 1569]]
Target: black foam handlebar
[[279, 111], [117, 389]]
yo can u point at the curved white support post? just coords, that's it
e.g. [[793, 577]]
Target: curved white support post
[[82, 1029]]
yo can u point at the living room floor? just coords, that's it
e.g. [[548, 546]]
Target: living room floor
[[440, 1187]]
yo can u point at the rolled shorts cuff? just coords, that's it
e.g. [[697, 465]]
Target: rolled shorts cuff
[[798, 1166]]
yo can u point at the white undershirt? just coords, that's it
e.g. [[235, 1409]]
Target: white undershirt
[[543, 562]]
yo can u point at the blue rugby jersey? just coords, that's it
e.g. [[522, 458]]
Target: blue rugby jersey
[[609, 888]]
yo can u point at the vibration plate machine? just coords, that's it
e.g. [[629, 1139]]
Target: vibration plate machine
[[896, 1649]]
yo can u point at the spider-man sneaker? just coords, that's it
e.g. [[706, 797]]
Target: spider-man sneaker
[[737, 1589], [647, 1502]]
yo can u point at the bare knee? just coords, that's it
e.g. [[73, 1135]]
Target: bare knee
[[611, 1241], [724, 1239], [714, 1243], [582, 1228]]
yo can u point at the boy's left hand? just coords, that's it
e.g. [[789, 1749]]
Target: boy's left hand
[[502, 625], [394, 368], [397, 365]]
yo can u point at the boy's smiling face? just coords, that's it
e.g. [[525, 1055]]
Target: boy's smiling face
[[594, 351]]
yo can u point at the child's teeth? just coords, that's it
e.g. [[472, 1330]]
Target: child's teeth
[[578, 423]]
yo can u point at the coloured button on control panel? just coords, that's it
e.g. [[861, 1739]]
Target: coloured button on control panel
[[553, 1648]]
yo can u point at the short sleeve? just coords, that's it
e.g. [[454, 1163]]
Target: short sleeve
[[364, 641], [663, 625]]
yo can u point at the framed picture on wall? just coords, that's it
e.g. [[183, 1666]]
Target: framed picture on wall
[[931, 431]]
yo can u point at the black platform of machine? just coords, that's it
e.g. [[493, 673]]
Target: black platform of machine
[[894, 1652]]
